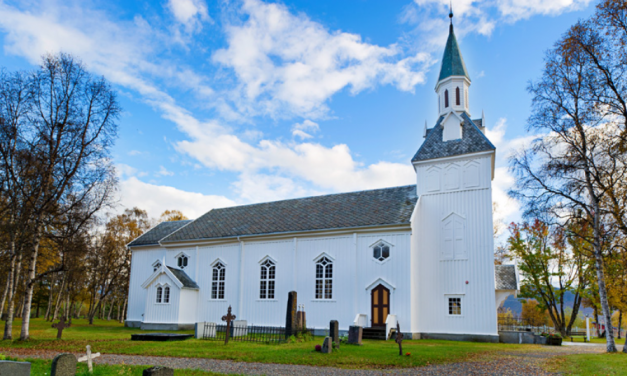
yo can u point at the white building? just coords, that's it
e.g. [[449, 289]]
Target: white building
[[421, 254]]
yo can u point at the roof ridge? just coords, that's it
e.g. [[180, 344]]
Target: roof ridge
[[309, 197]]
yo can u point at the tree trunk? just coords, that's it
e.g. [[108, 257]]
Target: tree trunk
[[14, 272], [111, 310], [620, 321], [123, 317], [30, 284], [53, 280], [5, 293], [596, 319], [605, 309], [55, 316], [78, 309]]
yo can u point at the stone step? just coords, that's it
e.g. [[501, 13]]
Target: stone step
[[374, 333]]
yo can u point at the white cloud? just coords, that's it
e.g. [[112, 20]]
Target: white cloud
[[164, 172], [289, 64], [155, 199], [190, 13], [300, 129], [125, 170], [134, 153]]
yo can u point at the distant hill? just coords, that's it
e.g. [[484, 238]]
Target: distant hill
[[516, 306]]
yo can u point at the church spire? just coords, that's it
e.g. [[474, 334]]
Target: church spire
[[452, 61]]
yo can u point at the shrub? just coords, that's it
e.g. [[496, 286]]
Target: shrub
[[318, 348]]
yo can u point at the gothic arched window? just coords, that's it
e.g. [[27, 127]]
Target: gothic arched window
[[446, 98], [166, 294], [159, 294], [266, 288], [457, 97], [218, 281], [324, 278]]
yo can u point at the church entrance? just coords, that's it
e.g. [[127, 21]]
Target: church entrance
[[380, 305]]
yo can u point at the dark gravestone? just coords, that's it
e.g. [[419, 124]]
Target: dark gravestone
[[301, 320], [158, 371], [64, 365], [8, 368], [355, 333], [335, 332], [228, 318], [290, 317], [327, 346]]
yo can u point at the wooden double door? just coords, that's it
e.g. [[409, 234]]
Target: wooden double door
[[380, 303]]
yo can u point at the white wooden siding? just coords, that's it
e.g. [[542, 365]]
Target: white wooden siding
[[141, 268], [166, 313]]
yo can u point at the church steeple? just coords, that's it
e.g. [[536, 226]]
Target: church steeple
[[454, 81], [452, 60]]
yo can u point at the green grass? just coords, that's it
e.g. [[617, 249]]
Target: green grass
[[590, 364], [602, 340], [112, 338], [42, 368]]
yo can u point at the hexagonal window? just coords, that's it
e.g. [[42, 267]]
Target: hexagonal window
[[182, 261], [381, 251]]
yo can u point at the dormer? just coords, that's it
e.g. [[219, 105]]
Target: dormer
[[452, 125]]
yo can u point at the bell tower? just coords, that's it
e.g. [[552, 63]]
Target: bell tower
[[453, 82]]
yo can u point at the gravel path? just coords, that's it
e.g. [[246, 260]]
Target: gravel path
[[514, 363]]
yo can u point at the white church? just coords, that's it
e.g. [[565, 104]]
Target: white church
[[421, 254]]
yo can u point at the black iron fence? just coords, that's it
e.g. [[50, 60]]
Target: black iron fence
[[264, 334], [523, 325]]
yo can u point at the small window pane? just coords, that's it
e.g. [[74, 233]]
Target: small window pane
[[385, 252], [271, 290], [454, 306], [377, 252], [262, 294], [166, 295], [329, 271], [159, 293]]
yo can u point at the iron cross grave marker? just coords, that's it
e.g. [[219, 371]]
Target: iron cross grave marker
[[60, 326], [228, 318], [399, 339]]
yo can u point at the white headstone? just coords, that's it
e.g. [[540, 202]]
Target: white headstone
[[240, 328], [88, 358]]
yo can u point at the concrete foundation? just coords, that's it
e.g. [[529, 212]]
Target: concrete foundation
[[132, 324], [157, 326], [520, 337], [460, 337]]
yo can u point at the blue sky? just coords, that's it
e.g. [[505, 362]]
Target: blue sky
[[235, 102]]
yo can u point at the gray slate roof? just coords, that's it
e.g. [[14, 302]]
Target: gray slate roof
[[452, 60], [388, 206], [505, 277], [160, 231], [184, 278], [472, 141]]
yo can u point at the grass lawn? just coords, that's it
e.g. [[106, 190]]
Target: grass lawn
[[108, 337], [602, 340], [590, 364], [42, 368]]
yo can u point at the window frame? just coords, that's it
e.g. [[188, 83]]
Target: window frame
[[181, 257], [266, 279], [448, 307], [218, 280], [380, 243], [326, 281], [166, 294], [159, 293]]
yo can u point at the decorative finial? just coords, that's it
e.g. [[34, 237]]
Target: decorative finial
[[450, 13]]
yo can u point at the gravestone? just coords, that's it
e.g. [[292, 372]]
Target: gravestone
[[334, 332], [290, 317], [240, 328], [199, 329], [355, 333], [9, 368], [301, 318], [327, 346], [158, 371], [63, 365]]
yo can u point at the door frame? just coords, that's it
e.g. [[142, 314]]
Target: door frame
[[379, 287]]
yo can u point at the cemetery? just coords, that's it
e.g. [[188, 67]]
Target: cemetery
[[77, 349]]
